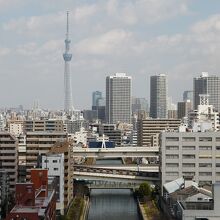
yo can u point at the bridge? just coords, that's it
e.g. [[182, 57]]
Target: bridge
[[131, 167], [114, 175], [109, 185], [116, 152]]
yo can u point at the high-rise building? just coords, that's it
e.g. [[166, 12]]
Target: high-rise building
[[98, 105], [118, 98], [139, 105], [158, 96], [95, 98], [68, 105], [183, 108], [209, 85], [188, 95]]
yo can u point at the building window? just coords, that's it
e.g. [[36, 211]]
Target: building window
[[55, 168], [188, 165], [217, 147], [54, 161], [205, 173], [205, 147], [205, 156], [188, 156], [188, 139], [172, 139], [172, 147], [172, 156], [205, 139], [188, 147], [172, 165], [205, 165]]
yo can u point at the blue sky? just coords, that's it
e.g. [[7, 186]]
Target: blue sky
[[139, 37]]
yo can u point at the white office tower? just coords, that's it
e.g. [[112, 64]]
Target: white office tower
[[209, 85], [205, 118], [158, 96], [68, 105], [118, 98]]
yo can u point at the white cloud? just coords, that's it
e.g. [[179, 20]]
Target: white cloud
[[111, 42], [211, 24], [4, 51]]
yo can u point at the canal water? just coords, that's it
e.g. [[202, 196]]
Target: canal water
[[112, 204]]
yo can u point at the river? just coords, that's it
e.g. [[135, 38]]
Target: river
[[112, 204]]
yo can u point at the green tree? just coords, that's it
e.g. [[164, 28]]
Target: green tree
[[144, 190]]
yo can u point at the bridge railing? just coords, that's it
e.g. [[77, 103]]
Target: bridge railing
[[116, 171]]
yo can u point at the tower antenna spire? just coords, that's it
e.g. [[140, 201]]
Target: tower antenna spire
[[67, 25]]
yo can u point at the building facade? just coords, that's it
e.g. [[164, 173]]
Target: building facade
[[35, 200], [64, 151], [9, 157], [194, 155], [209, 85], [183, 108], [40, 143], [158, 96], [149, 130], [118, 98]]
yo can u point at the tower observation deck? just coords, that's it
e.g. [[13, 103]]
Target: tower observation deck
[[68, 105]]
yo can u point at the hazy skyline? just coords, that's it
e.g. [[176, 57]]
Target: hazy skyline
[[138, 37]]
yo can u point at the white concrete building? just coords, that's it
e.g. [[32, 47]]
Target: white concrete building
[[204, 113], [190, 154], [55, 165]]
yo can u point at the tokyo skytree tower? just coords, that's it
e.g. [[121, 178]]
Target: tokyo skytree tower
[[68, 105]]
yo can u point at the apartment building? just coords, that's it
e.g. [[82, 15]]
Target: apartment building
[[193, 155], [9, 157], [148, 130], [43, 125], [16, 127], [40, 143], [59, 162]]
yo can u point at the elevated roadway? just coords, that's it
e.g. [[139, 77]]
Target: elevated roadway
[[106, 174], [116, 152], [131, 167]]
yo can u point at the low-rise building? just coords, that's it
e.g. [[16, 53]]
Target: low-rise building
[[35, 200], [186, 200]]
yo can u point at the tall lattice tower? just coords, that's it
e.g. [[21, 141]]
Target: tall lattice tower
[[68, 105]]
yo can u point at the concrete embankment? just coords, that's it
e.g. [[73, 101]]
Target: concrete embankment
[[142, 211]]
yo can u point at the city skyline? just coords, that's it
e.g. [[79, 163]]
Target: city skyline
[[146, 39]]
